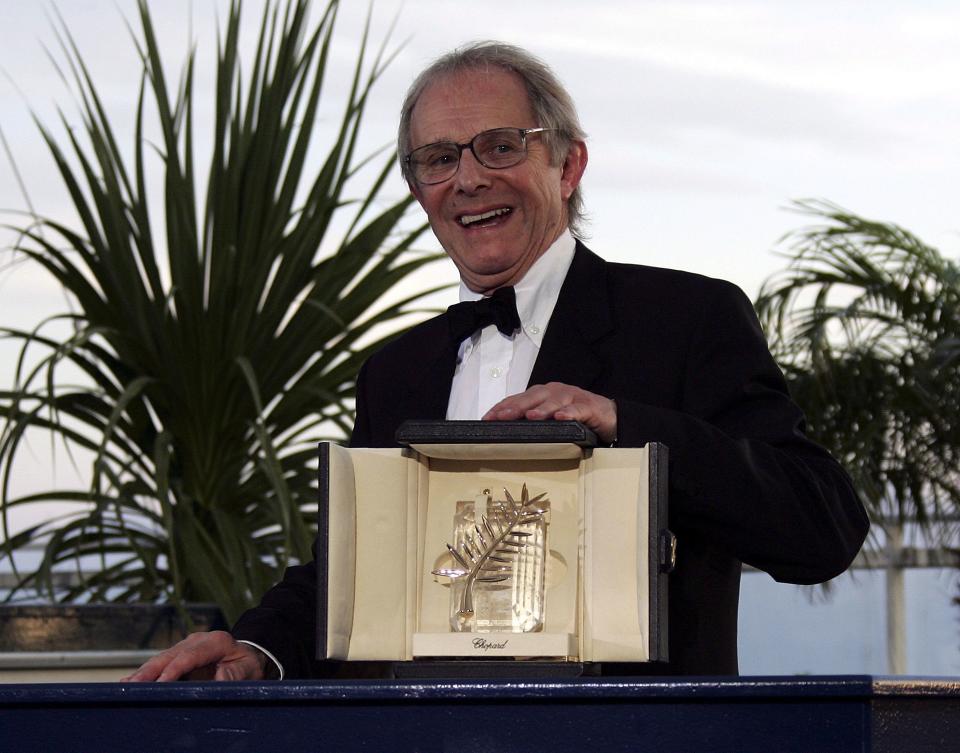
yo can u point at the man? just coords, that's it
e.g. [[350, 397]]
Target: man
[[491, 148]]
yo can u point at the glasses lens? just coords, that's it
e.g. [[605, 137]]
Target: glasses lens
[[434, 163], [501, 147]]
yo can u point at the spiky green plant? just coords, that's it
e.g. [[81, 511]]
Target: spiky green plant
[[212, 363], [865, 322]]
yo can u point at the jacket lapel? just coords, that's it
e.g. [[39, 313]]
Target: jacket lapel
[[430, 381], [580, 320]]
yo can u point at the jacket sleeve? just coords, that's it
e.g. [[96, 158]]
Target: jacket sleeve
[[742, 473], [361, 436], [285, 621]]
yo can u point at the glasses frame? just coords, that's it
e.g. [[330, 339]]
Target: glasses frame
[[524, 132]]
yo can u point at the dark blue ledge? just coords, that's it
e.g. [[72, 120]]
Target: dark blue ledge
[[707, 715]]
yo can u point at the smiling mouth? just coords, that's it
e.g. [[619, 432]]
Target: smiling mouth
[[467, 220]]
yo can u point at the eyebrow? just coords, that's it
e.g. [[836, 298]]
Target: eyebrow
[[452, 140]]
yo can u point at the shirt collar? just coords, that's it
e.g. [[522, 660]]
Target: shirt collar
[[539, 289]]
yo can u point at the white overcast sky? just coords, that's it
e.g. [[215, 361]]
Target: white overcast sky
[[704, 118]]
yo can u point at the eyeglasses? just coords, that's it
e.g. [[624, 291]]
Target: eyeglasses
[[496, 149]]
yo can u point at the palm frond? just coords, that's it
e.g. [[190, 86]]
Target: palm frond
[[215, 345], [863, 321]]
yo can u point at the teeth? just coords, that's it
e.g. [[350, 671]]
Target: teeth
[[469, 219]]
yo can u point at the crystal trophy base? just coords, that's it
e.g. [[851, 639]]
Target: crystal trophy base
[[497, 564], [496, 567]]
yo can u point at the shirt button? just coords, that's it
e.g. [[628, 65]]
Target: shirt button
[[533, 330], [496, 372]]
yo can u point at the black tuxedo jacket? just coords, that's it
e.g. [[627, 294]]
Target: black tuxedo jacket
[[685, 360]]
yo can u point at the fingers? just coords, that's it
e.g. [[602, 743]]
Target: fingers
[[562, 402], [245, 667], [537, 402], [201, 656], [148, 671]]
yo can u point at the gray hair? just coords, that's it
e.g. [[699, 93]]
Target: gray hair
[[551, 104]]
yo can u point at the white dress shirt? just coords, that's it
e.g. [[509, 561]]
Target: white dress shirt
[[491, 365]]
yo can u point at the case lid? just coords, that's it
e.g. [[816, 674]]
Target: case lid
[[479, 432]]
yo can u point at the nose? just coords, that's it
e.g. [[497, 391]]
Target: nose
[[471, 176]]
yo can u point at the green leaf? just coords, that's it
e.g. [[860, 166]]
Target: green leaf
[[863, 321], [212, 345]]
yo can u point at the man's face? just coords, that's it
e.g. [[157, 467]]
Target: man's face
[[530, 198]]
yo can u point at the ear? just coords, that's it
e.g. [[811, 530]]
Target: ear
[[572, 169]]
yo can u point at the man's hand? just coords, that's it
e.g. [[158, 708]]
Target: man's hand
[[203, 656], [561, 402]]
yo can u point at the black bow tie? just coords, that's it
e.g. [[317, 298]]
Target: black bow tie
[[500, 308]]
